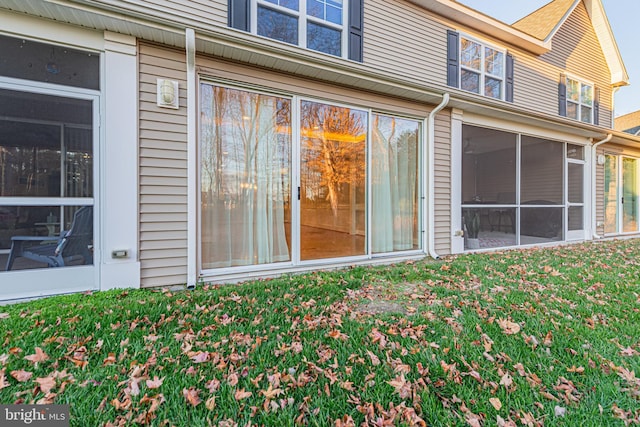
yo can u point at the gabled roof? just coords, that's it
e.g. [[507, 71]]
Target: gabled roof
[[629, 123], [545, 22]]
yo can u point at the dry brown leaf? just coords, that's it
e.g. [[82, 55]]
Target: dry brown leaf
[[191, 396], [155, 382], [506, 380], [403, 388], [38, 356], [578, 370], [508, 327], [46, 384], [21, 375], [210, 404], [242, 394], [495, 402], [375, 361], [3, 380], [271, 393]]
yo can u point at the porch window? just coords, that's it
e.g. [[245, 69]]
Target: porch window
[[46, 176], [519, 189]]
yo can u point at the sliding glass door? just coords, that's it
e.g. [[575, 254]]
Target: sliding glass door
[[288, 181], [621, 194]]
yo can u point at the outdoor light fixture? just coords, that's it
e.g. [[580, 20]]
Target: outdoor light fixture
[[167, 93]]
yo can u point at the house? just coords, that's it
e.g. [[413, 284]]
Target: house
[[217, 140], [629, 123]]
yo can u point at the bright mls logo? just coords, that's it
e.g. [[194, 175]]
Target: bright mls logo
[[34, 415]]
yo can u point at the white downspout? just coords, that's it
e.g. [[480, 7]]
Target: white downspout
[[594, 156], [431, 208], [192, 148]]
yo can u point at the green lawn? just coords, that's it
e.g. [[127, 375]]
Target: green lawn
[[536, 337]]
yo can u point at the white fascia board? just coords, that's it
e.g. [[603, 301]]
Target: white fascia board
[[480, 22], [602, 27]]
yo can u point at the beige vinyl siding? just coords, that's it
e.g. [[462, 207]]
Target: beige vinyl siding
[[575, 51], [208, 12], [404, 40], [443, 182], [163, 171]]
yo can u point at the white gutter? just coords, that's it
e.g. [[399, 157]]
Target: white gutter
[[594, 156], [192, 147], [431, 143]]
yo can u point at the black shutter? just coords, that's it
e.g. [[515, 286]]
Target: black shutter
[[356, 18], [452, 58], [562, 96], [596, 106], [239, 14], [509, 79]]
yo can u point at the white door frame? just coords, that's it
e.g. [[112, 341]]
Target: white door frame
[[21, 284]]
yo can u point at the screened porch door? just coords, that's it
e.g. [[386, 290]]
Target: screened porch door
[[47, 140]]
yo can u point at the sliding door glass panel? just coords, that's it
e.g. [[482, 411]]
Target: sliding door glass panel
[[629, 195], [541, 180], [488, 166], [541, 224], [611, 194], [245, 178], [46, 151], [332, 181], [394, 184]]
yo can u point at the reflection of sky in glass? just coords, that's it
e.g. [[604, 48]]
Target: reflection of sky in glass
[[471, 54], [572, 110], [573, 90], [277, 25], [323, 39], [289, 4], [493, 61], [470, 81], [328, 10], [587, 94], [493, 88]]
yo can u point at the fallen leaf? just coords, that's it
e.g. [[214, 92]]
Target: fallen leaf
[[506, 380], [3, 380], [210, 404], [191, 395], [375, 361], [46, 384], [508, 327], [403, 388], [271, 393], [495, 402], [242, 394], [38, 356], [578, 370], [155, 383], [21, 375]]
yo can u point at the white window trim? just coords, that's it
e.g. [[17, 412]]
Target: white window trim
[[482, 71], [582, 82], [302, 17]]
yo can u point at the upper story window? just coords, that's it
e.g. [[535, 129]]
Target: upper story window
[[482, 68], [478, 67], [333, 27], [315, 24], [579, 100]]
